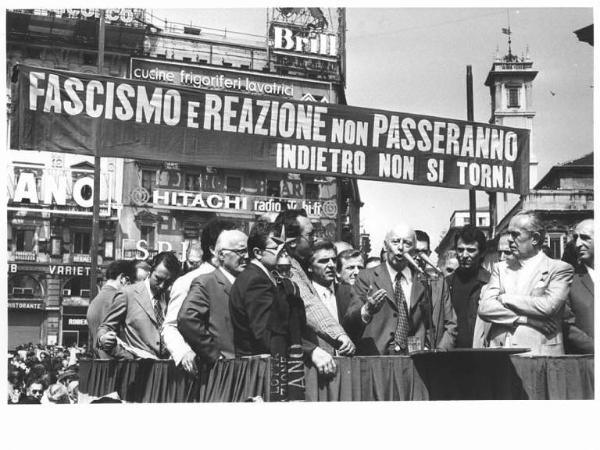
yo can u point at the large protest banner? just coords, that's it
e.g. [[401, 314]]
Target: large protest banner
[[113, 117]]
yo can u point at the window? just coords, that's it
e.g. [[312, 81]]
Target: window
[[481, 221], [81, 242], [513, 97], [148, 236], [24, 240], [149, 180], [311, 191], [234, 185], [555, 242], [192, 182], [273, 188]]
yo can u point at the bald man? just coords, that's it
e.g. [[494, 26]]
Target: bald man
[[579, 312], [204, 320], [389, 303]]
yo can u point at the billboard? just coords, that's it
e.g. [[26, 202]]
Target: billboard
[[112, 117]]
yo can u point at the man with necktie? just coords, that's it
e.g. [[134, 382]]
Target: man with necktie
[[136, 316], [390, 303]]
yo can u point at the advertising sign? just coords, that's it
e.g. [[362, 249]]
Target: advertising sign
[[112, 117]]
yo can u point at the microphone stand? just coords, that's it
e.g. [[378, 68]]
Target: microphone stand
[[426, 278]]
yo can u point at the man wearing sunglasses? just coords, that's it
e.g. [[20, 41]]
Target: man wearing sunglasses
[[119, 273], [204, 320], [331, 335]]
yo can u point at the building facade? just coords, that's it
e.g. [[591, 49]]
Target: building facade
[[149, 206]]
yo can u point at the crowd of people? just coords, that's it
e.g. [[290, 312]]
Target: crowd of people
[[281, 292], [44, 374]]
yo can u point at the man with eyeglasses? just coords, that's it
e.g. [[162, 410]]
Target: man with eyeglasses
[[180, 351], [526, 296], [579, 312], [136, 316], [504, 251], [204, 320], [119, 274], [390, 303], [331, 335]]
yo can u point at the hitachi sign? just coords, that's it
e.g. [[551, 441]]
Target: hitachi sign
[[317, 44]]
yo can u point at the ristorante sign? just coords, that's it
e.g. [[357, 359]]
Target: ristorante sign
[[111, 117]]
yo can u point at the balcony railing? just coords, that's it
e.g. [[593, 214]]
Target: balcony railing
[[25, 256]]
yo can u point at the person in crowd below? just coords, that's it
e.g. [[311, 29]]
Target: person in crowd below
[[55, 394], [118, 274], [467, 281], [137, 313], [372, 261], [15, 382], [142, 270], [203, 319], [193, 257], [390, 303], [267, 312], [450, 265], [579, 311], [180, 350], [525, 298], [34, 392], [295, 224]]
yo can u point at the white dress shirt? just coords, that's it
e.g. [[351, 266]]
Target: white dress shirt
[[590, 271], [405, 281], [328, 297]]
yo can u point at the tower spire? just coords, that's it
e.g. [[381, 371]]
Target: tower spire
[[509, 33]]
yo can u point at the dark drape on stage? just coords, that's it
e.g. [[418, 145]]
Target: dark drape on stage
[[369, 378]]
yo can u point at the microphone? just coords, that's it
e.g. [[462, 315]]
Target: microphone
[[411, 262], [427, 261]]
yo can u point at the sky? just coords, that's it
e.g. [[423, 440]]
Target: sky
[[414, 60]]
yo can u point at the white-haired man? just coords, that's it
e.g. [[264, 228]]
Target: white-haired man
[[390, 303], [525, 297]]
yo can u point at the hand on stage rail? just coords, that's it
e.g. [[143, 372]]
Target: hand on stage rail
[[347, 348], [323, 361], [188, 362]]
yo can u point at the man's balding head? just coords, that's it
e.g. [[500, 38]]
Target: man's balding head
[[399, 240], [583, 237], [232, 251]]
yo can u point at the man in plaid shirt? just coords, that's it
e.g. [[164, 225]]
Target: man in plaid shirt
[[331, 335]]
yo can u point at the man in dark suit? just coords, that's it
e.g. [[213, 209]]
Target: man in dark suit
[[204, 320], [267, 317], [579, 311], [134, 320], [119, 273], [348, 265], [390, 303]]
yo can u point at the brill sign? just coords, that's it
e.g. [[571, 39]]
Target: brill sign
[[317, 44]]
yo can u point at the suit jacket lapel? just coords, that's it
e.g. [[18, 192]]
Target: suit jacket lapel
[[541, 272], [222, 280], [142, 297], [416, 293], [383, 281], [585, 278]]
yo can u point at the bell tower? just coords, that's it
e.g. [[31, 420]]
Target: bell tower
[[510, 81]]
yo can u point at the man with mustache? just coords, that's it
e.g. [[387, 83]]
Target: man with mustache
[[390, 303]]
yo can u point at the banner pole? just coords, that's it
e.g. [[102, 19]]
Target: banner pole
[[96, 192], [472, 199]]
